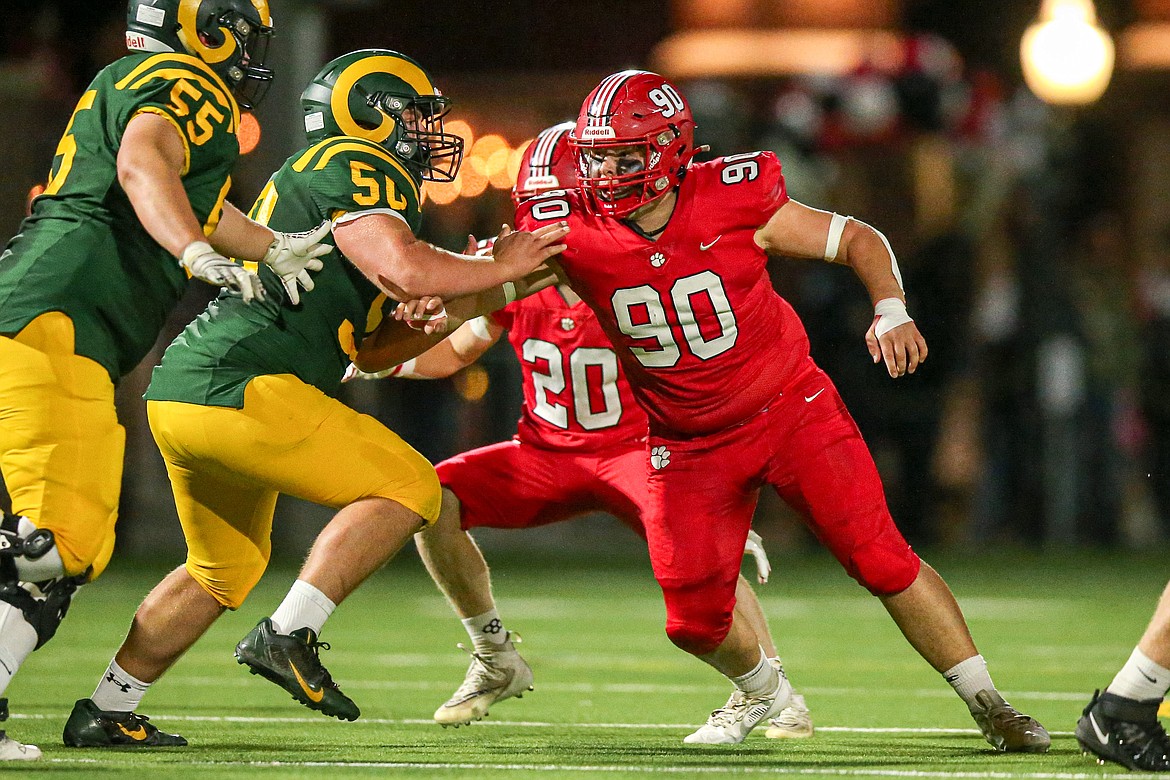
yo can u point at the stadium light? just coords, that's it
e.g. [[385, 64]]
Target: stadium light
[[1067, 57]]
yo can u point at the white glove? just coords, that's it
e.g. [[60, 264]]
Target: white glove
[[404, 370], [203, 262], [293, 255], [755, 547]]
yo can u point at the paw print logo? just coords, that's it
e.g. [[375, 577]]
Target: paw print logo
[[494, 626], [657, 259], [567, 323], [659, 457]]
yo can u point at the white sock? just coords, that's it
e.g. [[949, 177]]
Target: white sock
[[968, 678], [303, 607], [760, 681], [17, 640], [486, 631], [1140, 679], [118, 690]]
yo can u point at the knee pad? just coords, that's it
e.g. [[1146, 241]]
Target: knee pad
[[32, 577], [698, 617], [43, 603], [884, 567], [27, 553]]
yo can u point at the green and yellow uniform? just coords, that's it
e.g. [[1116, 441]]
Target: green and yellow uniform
[[242, 404], [85, 290]]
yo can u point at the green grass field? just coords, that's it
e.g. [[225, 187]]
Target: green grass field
[[613, 698]]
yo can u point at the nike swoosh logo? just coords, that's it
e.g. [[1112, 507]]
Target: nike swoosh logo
[[808, 399], [1101, 735], [137, 734], [1143, 671], [313, 695], [704, 247]]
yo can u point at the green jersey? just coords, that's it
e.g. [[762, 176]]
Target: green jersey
[[212, 361], [83, 250]]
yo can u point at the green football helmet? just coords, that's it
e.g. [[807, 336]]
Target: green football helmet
[[231, 36], [385, 97]]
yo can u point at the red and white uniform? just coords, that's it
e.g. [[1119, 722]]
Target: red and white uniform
[[580, 445], [720, 362]]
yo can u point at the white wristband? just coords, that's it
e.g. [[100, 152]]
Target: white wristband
[[509, 292], [891, 313], [406, 370], [479, 328], [836, 229]]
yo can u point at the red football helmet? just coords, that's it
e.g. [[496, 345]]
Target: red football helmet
[[645, 113], [548, 164]]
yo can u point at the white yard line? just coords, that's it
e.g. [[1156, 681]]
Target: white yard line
[[689, 769], [536, 724]]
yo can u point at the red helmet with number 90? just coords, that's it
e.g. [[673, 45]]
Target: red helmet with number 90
[[547, 164], [640, 118]]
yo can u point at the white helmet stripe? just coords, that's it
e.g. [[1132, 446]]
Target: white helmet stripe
[[546, 144], [599, 107], [542, 155]]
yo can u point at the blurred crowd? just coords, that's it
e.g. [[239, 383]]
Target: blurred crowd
[[1043, 414]]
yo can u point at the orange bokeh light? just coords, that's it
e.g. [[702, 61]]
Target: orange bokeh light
[[496, 168], [249, 133], [474, 182], [442, 194], [461, 129]]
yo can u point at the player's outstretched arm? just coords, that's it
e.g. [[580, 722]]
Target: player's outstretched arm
[[150, 164], [797, 230], [457, 351], [406, 268], [398, 340]]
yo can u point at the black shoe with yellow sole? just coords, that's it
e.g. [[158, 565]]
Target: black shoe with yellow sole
[[292, 661], [90, 727]]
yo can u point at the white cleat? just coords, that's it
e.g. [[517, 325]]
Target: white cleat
[[11, 750], [491, 677], [731, 723], [793, 722]]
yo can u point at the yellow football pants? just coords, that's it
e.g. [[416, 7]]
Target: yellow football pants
[[61, 446], [227, 467]]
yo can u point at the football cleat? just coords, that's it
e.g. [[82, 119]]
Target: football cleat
[[1124, 731], [293, 662], [10, 749], [731, 723], [793, 722], [491, 677], [1007, 729], [90, 727]]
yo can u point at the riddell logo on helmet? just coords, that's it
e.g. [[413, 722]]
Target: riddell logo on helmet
[[135, 41], [598, 132], [546, 182]]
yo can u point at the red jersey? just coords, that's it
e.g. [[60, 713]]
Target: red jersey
[[575, 395], [704, 338]]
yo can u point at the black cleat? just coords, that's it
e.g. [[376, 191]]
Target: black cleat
[[1007, 729], [90, 727], [292, 662], [1125, 731]]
